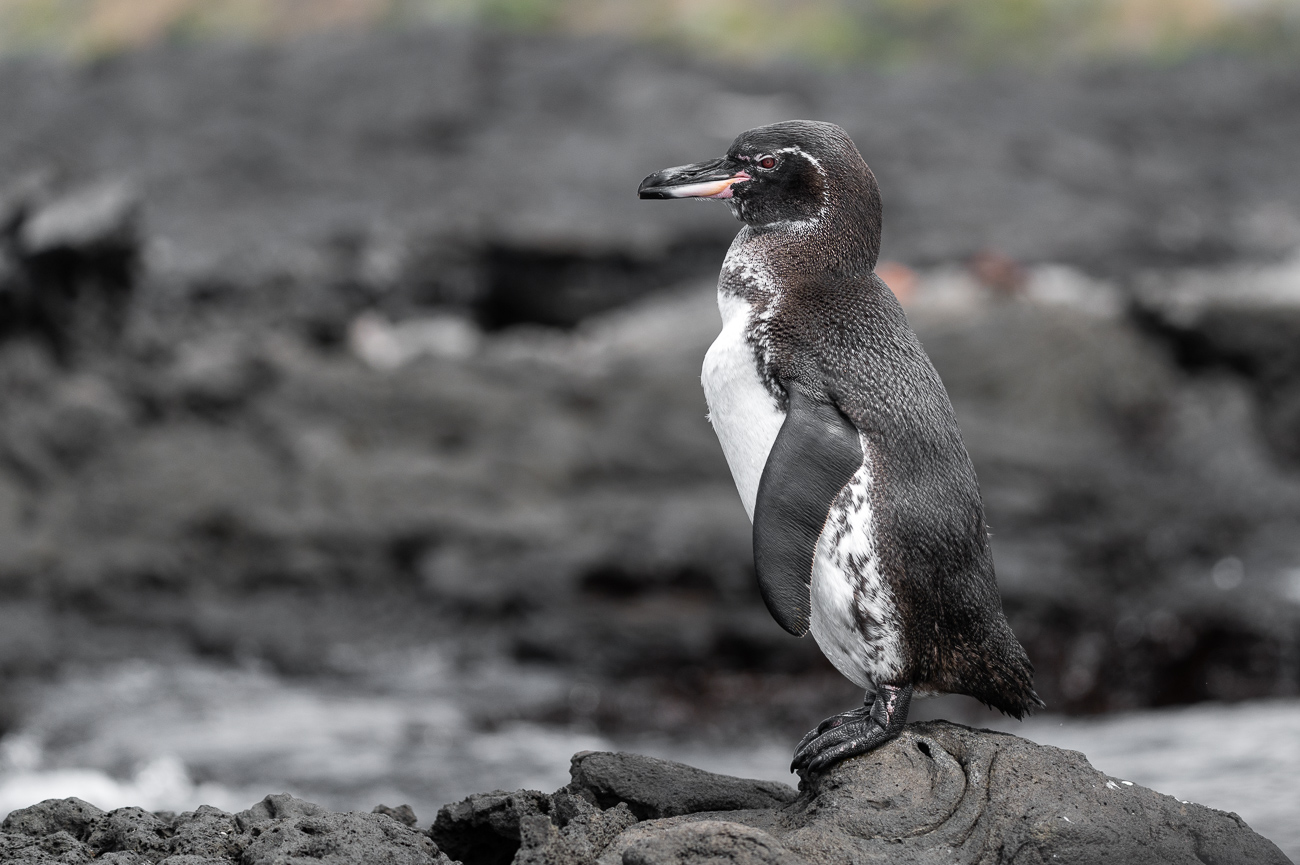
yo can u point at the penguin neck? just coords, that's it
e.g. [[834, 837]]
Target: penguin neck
[[829, 242]]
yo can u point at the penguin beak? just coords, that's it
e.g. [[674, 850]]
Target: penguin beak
[[712, 179]]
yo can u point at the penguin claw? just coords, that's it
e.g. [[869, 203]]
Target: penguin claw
[[849, 740], [830, 724], [817, 745], [849, 734]]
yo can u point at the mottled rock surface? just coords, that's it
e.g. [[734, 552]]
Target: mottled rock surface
[[279, 830], [940, 793], [661, 788], [946, 793]]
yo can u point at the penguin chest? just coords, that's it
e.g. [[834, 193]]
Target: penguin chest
[[854, 618], [744, 414]]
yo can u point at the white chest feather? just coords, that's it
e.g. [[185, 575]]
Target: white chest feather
[[744, 415]]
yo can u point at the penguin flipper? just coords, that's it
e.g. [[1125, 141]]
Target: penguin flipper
[[816, 453]]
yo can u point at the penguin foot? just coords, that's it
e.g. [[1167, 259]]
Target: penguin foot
[[849, 734]]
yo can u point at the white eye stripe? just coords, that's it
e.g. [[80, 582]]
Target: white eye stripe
[[805, 154]]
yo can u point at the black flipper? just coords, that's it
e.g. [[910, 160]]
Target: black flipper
[[816, 453]]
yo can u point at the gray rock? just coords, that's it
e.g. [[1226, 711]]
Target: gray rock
[[485, 828], [123, 858], [403, 814], [713, 841], [575, 833], [339, 839], [207, 834], [280, 829], [91, 218], [57, 848], [130, 830], [277, 806], [71, 815], [946, 793], [1243, 320], [655, 788], [940, 793]]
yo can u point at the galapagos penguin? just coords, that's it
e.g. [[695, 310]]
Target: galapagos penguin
[[868, 524]]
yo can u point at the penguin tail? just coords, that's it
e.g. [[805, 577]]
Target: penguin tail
[[1001, 677], [1025, 707]]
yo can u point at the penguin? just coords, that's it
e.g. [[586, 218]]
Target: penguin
[[868, 524]]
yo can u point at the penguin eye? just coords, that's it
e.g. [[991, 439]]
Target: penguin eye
[[767, 162]]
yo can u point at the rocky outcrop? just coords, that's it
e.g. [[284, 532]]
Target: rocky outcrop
[[940, 793], [1242, 320], [946, 793], [659, 788], [68, 262], [279, 830]]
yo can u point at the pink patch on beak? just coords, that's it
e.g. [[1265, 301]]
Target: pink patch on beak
[[709, 189]]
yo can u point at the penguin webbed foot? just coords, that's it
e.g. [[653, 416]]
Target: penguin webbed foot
[[855, 732]]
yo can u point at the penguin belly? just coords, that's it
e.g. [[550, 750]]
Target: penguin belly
[[854, 618], [744, 414]]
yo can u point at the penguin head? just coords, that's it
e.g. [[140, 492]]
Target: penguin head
[[793, 174]]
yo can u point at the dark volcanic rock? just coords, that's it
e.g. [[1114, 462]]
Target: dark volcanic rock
[[713, 841], [655, 788], [379, 156], [130, 830], [1242, 320], [68, 263], [280, 830], [342, 839], [403, 814], [485, 828], [277, 806], [940, 793], [57, 849], [206, 833], [947, 793], [575, 833], [55, 815]]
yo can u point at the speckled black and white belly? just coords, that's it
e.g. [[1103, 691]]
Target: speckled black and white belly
[[854, 618]]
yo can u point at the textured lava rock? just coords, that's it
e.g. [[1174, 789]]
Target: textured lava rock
[[403, 814], [72, 815], [655, 788], [130, 830], [485, 828], [946, 793], [575, 833], [713, 841], [940, 793], [207, 834], [339, 838], [1243, 320], [67, 263], [279, 830], [59, 847]]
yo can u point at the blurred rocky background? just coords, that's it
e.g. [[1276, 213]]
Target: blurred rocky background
[[352, 440]]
